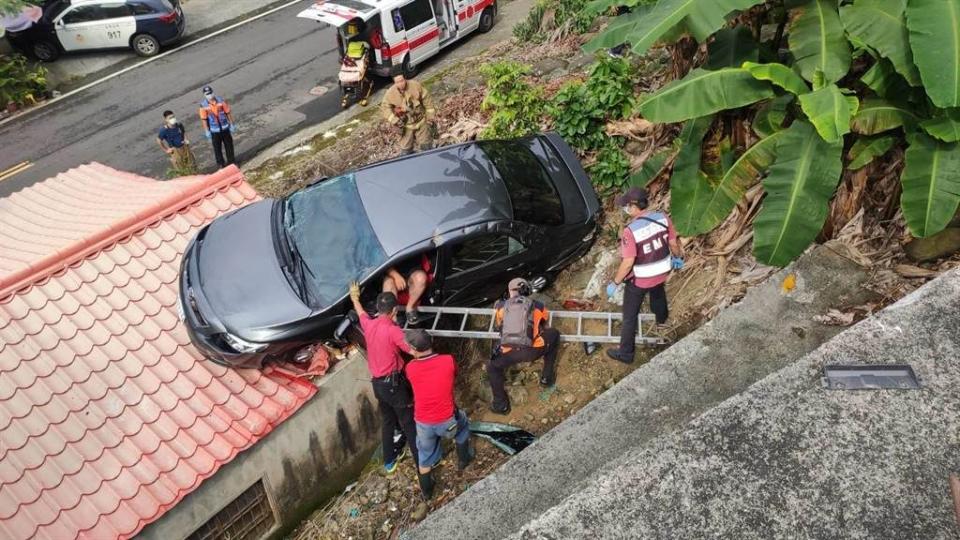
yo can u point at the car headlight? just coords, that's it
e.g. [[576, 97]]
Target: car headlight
[[242, 346]]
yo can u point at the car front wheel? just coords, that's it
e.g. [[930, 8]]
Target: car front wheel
[[46, 51], [145, 45]]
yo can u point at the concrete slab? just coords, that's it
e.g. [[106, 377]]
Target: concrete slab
[[791, 459], [767, 330]]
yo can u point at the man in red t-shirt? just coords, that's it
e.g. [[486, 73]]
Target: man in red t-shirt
[[437, 416], [394, 396], [647, 245]]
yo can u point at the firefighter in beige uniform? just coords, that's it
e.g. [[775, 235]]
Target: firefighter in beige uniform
[[407, 105]]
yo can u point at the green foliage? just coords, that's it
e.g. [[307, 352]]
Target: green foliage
[[829, 111], [935, 38], [644, 28], [903, 88], [818, 43], [517, 105], [866, 149], [651, 168], [581, 110], [799, 186], [704, 92], [529, 28], [689, 187], [731, 47], [931, 184], [610, 169], [564, 12], [19, 81]]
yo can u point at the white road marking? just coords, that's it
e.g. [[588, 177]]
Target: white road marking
[[151, 59]]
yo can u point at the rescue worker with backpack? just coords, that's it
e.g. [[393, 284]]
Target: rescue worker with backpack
[[524, 337], [408, 106], [649, 251]]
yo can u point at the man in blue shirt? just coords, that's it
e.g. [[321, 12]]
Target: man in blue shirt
[[172, 139]]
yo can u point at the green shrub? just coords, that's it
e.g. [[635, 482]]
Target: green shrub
[[611, 169], [580, 110], [19, 81], [517, 105], [529, 28]]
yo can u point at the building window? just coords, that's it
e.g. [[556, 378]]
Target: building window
[[248, 517]]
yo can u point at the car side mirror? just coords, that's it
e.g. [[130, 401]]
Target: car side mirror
[[59, 23]]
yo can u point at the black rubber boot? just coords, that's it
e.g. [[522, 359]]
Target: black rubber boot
[[464, 455], [426, 484]]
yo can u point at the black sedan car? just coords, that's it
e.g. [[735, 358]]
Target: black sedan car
[[272, 277]]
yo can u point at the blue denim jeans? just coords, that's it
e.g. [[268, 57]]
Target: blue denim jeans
[[429, 435]]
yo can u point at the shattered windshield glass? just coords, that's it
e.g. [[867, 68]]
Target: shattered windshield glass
[[330, 233]]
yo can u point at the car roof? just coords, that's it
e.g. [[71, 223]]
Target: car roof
[[415, 198]]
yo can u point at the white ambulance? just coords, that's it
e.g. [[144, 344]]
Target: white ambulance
[[402, 33]]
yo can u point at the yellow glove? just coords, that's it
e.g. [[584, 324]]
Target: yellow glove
[[355, 291]]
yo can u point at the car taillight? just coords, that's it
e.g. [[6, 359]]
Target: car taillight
[[168, 17]]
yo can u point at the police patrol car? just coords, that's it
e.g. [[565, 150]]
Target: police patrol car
[[79, 25], [402, 33]]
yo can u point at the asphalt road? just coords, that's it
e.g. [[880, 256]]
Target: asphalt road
[[264, 69]]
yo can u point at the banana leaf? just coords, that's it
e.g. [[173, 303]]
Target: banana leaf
[[879, 115], [701, 18], [798, 187], [829, 111], [651, 168], [935, 38], [946, 127], [702, 93], [884, 80], [881, 25], [738, 178], [818, 43], [690, 189], [931, 184], [778, 74], [771, 115], [731, 47], [866, 149]]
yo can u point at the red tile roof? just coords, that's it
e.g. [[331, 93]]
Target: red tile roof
[[108, 416]]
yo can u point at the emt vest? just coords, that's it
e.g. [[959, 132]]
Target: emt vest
[[652, 234], [517, 328], [214, 115]]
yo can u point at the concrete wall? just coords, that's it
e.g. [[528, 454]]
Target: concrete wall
[[304, 461]]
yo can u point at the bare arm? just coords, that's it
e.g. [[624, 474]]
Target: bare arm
[[163, 146]]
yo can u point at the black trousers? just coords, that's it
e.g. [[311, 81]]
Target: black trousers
[[396, 411], [500, 362], [632, 301], [222, 141]]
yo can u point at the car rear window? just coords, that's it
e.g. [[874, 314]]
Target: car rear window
[[533, 195], [330, 228]]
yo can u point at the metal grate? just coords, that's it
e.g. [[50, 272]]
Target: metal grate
[[870, 377], [248, 517]]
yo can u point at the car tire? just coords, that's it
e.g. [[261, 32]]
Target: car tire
[[145, 45], [45, 50], [487, 18], [409, 70]]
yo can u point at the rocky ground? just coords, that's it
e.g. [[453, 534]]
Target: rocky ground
[[719, 269]]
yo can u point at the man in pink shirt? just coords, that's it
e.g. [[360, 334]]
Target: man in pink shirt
[[390, 386], [647, 245]]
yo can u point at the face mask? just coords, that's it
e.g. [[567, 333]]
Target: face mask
[[172, 121], [626, 210]]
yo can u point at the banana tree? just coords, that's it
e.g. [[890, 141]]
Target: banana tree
[[864, 76]]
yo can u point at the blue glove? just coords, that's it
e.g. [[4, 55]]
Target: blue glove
[[207, 134], [676, 263], [611, 289]]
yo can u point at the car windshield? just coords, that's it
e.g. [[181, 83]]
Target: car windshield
[[329, 228], [533, 195]]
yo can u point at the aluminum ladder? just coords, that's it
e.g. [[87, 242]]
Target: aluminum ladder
[[599, 327]]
